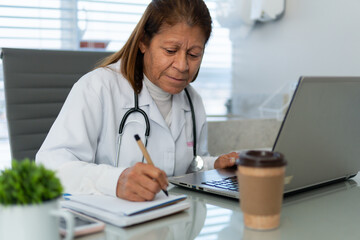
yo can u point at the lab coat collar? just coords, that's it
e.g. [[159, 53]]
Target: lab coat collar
[[180, 106], [146, 102]]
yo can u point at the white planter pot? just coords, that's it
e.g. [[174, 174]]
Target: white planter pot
[[34, 222]]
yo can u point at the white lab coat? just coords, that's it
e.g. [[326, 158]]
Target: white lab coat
[[82, 143]]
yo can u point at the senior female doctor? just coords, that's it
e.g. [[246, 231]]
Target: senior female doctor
[[152, 72]]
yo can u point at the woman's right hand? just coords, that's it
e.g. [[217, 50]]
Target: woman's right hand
[[141, 182]]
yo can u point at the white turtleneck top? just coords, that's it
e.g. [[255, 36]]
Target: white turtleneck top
[[162, 99]]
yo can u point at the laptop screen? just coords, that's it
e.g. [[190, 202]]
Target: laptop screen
[[320, 134]]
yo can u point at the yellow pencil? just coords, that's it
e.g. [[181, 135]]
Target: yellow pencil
[[146, 155]]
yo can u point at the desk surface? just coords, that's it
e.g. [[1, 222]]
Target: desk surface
[[331, 212]]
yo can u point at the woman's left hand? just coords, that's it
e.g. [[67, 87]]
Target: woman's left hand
[[226, 160]]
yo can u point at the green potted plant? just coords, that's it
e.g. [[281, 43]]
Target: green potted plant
[[29, 202]]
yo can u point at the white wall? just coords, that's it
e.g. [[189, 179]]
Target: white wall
[[314, 37], [235, 135]]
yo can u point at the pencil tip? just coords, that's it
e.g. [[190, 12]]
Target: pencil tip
[[166, 192]]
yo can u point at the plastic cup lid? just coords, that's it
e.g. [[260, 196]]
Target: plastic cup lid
[[257, 158]]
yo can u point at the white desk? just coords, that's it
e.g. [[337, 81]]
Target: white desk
[[331, 212]]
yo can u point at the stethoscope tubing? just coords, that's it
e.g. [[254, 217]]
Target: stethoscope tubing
[[132, 110], [193, 120], [147, 123]]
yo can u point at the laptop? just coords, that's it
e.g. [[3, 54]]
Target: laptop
[[319, 137]]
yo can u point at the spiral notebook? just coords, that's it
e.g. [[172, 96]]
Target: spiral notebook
[[122, 213]]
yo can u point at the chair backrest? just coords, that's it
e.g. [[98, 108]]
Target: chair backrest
[[37, 83]]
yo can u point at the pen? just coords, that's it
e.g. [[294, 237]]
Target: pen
[[146, 155]]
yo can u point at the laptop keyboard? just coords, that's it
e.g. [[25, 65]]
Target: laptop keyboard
[[229, 183]]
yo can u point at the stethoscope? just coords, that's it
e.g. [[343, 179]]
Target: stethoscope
[[197, 162]]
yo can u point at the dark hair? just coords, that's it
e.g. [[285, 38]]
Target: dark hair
[[157, 13]]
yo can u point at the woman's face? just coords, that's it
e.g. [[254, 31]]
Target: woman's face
[[173, 56]]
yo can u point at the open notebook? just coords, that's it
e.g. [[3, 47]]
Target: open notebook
[[123, 213]]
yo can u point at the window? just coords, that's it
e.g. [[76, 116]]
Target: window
[[104, 26], [111, 22]]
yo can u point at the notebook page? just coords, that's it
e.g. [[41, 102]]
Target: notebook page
[[123, 207]]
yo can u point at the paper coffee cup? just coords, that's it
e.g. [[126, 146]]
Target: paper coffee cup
[[261, 185]]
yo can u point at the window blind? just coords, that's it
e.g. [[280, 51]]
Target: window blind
[[37, 24], [113, 21], [70, 24]]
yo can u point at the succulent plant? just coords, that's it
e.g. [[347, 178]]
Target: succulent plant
[[28, 183]]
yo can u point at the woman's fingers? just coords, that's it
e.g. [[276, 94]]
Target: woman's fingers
[[226, 160], [141, 182], [155, 174]]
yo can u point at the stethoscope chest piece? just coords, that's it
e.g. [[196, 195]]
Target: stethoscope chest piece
[[197, 164]]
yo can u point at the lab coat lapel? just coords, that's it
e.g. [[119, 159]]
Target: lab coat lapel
[[179, 109]]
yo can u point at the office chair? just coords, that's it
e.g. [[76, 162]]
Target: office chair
[[37, 83]]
